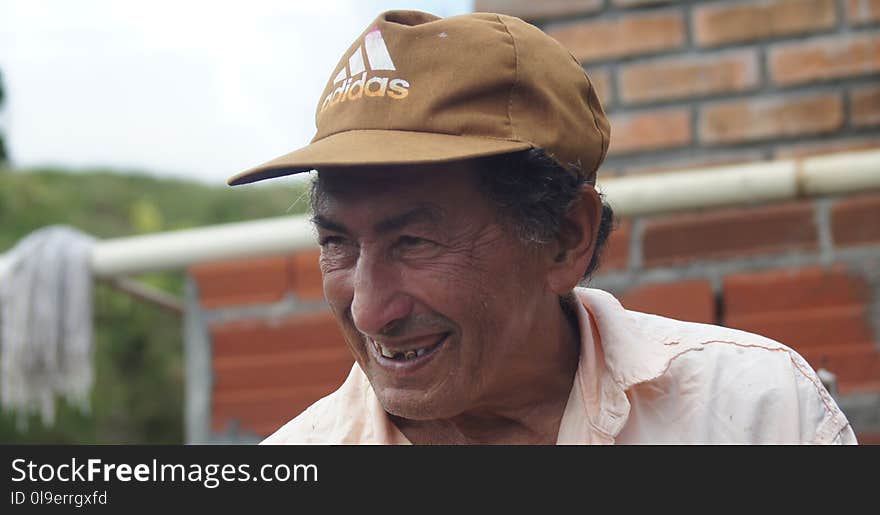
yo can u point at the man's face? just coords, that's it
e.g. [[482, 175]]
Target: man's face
[[437, 299]]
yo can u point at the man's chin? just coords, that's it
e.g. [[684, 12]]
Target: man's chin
[[414, 404]]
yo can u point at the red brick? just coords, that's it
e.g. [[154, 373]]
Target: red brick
[[726, 22], [686, 300], [767, 118], [303, 368], [865, 106], [298, 356], [729, 233], [861, 12], [856, 221], [308, 283], [299, 352], [242, 282], [767, 292], [868, 438], [825, 147], [531, 10], [601, 79], [628, 36], [649, 130], [680, 77], [616, 253], [823, 59], [825, 327], [856, 366], [312, 331], [234, 397]]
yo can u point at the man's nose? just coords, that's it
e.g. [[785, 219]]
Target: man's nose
[[378, 298]]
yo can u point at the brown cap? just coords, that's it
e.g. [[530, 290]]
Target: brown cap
[[415, 88]]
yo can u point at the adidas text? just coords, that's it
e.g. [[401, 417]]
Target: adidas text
[[353, 89]]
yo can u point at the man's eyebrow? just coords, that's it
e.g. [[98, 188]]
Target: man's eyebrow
[[419, 214], [423, 213], [329, 225]]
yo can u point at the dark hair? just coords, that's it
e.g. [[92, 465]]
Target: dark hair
[[534, 193]]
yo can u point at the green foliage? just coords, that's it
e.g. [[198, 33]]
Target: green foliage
[[139, 367], [3, 155]]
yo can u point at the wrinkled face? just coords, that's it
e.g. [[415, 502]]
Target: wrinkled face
[[437, 299]]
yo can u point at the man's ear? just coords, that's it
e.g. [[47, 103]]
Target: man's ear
[[576, 242]]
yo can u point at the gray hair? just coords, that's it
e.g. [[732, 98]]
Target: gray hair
[[534, 193]]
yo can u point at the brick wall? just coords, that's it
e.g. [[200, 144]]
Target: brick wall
[[275, 348], [686, 84], [692, 83]]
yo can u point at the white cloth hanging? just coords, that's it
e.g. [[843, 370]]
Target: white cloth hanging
[[46, 322]]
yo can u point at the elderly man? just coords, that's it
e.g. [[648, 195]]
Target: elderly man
[[456, 216]]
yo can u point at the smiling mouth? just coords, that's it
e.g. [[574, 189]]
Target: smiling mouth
[[408, 354]]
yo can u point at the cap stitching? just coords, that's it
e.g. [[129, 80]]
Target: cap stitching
[[465, 135], [515, 77]]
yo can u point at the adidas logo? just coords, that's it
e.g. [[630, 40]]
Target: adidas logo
[[352, 79]]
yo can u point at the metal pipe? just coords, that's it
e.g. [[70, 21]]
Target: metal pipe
[[762, 181], [147, 293]]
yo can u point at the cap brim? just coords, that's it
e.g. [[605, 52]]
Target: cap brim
[[378, 147]]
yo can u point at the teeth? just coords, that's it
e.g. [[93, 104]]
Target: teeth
[[404, 355], [385, 352]]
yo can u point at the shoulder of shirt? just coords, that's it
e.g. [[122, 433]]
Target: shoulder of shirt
[[644, 348], [756, 358]]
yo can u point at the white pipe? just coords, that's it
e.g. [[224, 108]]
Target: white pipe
[[736, 185], [178, 249], [639, 195], [661, 193], [841, 173]]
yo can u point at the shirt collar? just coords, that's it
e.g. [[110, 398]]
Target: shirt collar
[[615, 355]]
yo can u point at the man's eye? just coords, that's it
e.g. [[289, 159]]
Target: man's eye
[[330, 240], [334, 243], [412, 241]]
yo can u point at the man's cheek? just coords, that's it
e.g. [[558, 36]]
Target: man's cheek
[[450, 271], [337, 261], [337, 290]]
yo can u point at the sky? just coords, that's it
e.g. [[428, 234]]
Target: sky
[[185, 88]]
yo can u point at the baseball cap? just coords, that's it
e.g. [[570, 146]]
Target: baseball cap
[[415, 88]]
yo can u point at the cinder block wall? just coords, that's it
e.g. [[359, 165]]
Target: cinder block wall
[[686, 84]]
